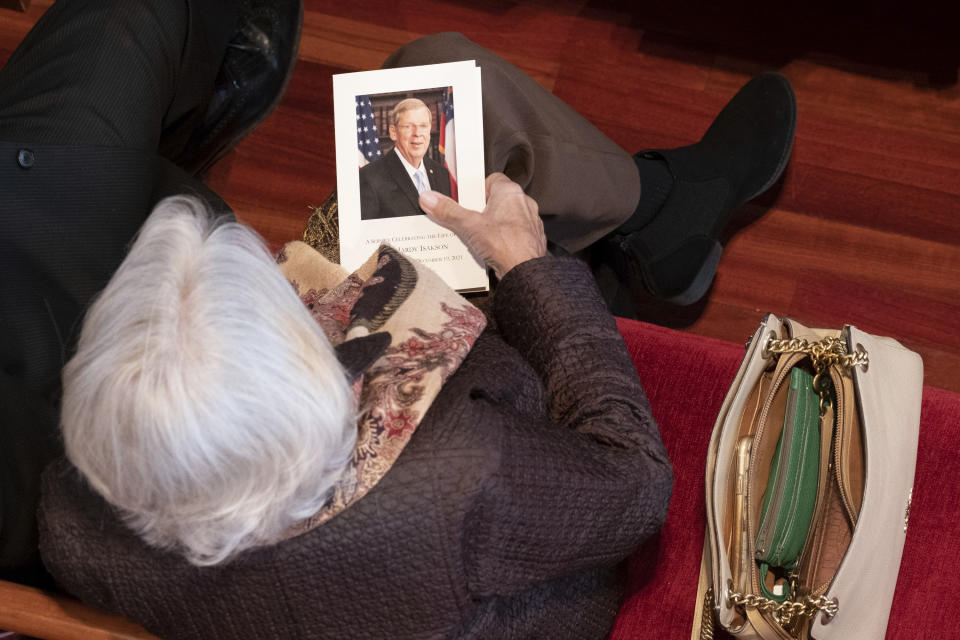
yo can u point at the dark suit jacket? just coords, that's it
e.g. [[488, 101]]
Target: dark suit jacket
[[65, 223], [536, 470], [386, 190]]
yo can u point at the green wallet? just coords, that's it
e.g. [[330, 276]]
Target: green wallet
[[791, 493]]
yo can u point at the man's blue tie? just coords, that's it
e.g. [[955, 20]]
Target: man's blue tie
[[418, 178]]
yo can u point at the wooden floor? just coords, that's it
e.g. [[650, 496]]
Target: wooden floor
[[865, 227]]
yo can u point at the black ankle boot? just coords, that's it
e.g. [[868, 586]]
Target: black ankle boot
[[255, 72], [675, 253]]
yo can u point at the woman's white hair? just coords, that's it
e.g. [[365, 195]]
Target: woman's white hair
[[204, 401]]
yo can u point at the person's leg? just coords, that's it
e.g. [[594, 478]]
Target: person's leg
[[674, 252], [542, 144], [660, 213], [113, 73]]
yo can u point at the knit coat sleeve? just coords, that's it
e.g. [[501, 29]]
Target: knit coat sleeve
[[585, 484]]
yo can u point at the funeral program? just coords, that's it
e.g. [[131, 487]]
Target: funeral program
[[400, 132]]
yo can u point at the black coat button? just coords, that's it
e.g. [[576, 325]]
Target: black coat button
[[25, 158]]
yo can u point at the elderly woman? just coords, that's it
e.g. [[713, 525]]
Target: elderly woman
[[282, 448], [212, 425]]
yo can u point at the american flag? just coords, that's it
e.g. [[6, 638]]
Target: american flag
[[448, 145], [368, 144]]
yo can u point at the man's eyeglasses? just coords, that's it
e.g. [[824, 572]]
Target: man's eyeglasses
[[420, 128]]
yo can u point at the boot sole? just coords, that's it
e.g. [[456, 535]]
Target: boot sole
[[702, 281], [785, 157]]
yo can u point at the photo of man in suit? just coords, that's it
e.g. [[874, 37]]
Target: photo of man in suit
[[391, 186]]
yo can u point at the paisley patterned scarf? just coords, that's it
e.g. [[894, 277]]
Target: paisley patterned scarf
[[401, 332]]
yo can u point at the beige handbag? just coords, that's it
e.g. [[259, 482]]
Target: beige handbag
[[841, 584]]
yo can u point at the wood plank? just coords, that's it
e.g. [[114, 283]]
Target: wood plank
[[39, 614]]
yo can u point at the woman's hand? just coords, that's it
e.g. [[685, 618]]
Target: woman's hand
[[507, 232]]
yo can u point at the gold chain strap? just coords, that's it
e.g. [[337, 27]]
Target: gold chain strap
[[785, 611], [823, 354], [706, 616]]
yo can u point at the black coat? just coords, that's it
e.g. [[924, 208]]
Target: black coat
[[536, 470], [386, 190], [67, 216]]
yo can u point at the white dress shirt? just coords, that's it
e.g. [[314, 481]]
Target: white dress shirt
[[411, 171]]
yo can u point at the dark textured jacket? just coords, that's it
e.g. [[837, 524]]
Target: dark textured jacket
[[536, 470]]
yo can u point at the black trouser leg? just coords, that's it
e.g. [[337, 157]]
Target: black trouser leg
[[113, 72]]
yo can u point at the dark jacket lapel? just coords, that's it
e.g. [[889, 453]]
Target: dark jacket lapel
[[402, 178]]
